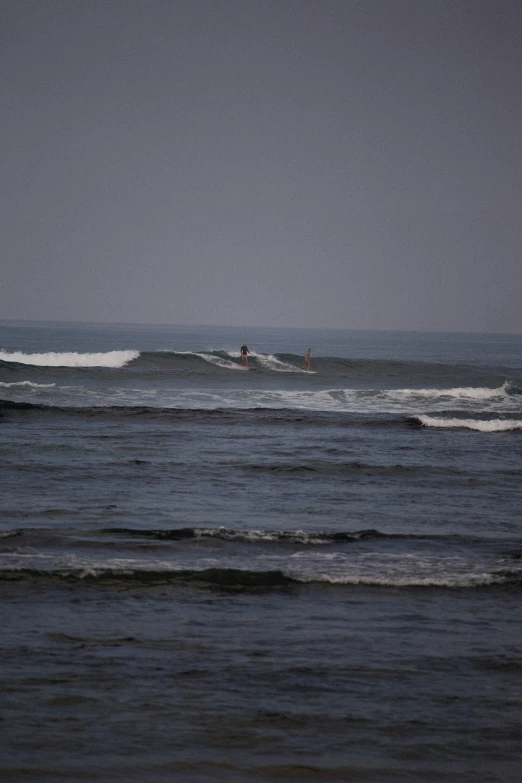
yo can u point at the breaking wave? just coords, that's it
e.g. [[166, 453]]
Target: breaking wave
[[459, 393], [113, 359], [28, 384], [493, 425]]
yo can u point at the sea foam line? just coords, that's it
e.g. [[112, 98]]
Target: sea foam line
[[494, 425], [113, 359]]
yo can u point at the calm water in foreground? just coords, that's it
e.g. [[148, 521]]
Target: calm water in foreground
[[215, 574]]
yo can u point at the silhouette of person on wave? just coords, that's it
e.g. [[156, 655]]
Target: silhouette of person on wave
[[244, 355], [306, 365]]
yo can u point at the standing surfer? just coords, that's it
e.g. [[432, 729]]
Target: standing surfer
[[306, 364], [244, 355]]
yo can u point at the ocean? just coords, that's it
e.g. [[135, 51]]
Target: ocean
[[210, 573]]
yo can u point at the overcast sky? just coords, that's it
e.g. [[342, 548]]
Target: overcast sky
[[314, 163]]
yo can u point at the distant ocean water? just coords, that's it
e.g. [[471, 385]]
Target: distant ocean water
[[209, 573]]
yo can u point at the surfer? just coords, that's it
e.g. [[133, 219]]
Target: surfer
[[244, 355], [306, 365]]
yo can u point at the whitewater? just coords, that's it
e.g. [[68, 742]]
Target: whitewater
[[112, 359]]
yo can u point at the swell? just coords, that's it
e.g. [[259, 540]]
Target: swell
[[130, 537], [297, 537], [225, 361], [445, 419], [237, 579], [230, 578], [237, 559], [351, 468], [259, 414], [250, 536], [364, 370]]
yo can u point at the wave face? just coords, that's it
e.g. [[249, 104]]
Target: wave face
[[223, 359]]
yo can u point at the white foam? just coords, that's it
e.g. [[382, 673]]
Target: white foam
[[493, 425], [113, 359], [412, 569], [27, 383], [465, 392], [270, 362], [267, 361], [405, 581], [219, 362]]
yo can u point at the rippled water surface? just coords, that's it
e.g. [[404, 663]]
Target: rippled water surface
[[209, 573]]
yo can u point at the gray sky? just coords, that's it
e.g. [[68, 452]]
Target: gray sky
[[310, 163]]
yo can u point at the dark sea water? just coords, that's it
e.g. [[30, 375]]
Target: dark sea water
[[214, 574]]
